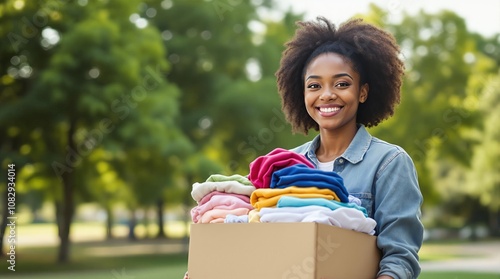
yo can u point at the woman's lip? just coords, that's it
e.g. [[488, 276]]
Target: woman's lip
[[328, 111]]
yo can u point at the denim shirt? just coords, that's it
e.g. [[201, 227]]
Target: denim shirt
[[383, 177]]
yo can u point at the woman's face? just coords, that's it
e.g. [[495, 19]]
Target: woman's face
[[332, 92]]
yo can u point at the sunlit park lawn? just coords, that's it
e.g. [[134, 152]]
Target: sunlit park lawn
[[145, 258]]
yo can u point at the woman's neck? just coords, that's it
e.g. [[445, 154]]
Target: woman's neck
[[334, 143]]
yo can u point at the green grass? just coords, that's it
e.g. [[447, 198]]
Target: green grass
[[444, 251], [146, 266], [123, 273], [457, 275], [147, 258], [40, 262]]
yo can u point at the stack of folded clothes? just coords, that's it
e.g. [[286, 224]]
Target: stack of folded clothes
[[220, 196], [282, 186], [300, 193]]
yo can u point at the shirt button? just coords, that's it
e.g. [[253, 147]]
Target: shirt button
[[341, 160]]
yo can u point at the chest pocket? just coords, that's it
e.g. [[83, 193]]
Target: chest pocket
[[366, 202]]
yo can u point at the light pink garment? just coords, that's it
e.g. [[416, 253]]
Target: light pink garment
[[207, 197], [218, 202], [215, 214], [218, 220], [202, 189]]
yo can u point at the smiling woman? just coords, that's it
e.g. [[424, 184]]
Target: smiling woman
[[366, 52], [337, 81]]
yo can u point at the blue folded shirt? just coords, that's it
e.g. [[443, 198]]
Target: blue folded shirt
[[303, 176]]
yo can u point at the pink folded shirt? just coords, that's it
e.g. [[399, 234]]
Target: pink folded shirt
[[218, 202], [262, 168], [209, 196], [215, 215]]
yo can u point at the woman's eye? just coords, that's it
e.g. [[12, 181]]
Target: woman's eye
[[342, 84], [313, 85]]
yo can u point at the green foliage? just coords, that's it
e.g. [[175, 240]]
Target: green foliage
[[156, 95], [97, 114], [226, 75], [203, 47], [484, 179], [433, 122]]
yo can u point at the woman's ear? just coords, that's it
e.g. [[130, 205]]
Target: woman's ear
[[363, 92]]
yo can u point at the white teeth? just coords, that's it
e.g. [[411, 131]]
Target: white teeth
[[330, 109]]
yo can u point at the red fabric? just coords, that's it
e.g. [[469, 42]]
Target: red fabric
[[262, 168]]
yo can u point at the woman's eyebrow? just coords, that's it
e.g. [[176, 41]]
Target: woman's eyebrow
[[335, 76], [342, 75], [313, 76]]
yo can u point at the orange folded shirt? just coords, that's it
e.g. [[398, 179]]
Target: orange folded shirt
[[268, 197]]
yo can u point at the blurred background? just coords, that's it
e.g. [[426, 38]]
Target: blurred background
[[110, 110]]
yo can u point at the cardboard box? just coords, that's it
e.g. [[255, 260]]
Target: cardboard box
[[280, 251]]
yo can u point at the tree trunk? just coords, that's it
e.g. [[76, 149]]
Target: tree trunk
[[3, 226], [145, 223], [66, 218], [8, 145], [58, 208], [159, 208], [131, 226], [67, 201], [109, 222], [494, 223], [187, 214]]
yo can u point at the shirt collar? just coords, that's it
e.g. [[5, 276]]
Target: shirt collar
[[354, 152], [359, 145]]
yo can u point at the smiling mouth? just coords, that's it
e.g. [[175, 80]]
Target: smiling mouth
[[329, 109]]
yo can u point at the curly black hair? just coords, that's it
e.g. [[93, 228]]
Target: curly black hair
[[373, 52]]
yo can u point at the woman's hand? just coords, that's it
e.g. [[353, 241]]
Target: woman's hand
[[186, 276]]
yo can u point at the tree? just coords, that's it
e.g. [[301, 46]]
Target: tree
[[484, 178], [19, 56], [201, 55], [226, 70], [438, 120], [439, 53], [98, 67]]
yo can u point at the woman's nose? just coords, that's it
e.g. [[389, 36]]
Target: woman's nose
[[328, 94]]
